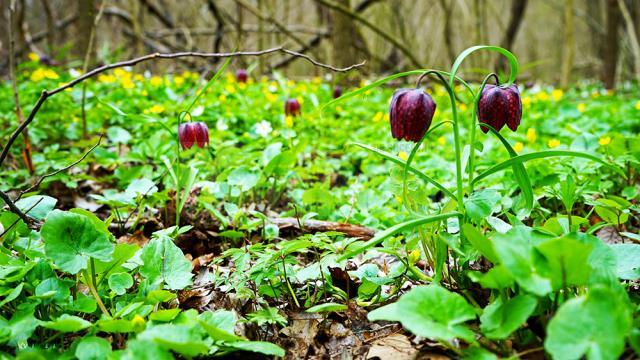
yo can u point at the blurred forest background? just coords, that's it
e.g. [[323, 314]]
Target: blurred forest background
[[557, 41]]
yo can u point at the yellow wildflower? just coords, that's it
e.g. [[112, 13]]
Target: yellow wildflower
[[403, 155], [595, 94], [242, 86], [553, 143], [542, 96], [186, 74], [144, 93], [156, 109], [638, 105], [557, 94], [107, 79], [222, 98], [526, 101], [300, 100], [288, 121], [230, 88], [120, 72], [339, 109], [127, 83], [138, 77], [604, 141], [399, 199], [33, 56], [518, 146], [442, 140], [37, 75], [582, 107], [270, 97], [377, 117], [610, 92], [531, 135], [155, 81], [386, 117], [316, 80], [463, 107], [178, 80], [291, 83]]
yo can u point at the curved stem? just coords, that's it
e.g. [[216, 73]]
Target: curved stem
[[472, 136], [456, 136], [407, 164]]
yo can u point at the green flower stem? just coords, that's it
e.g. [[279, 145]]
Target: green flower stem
[[473, 129], [90, 277]]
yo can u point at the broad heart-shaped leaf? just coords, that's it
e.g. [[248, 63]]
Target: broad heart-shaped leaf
[[71, 239], [481, 203], [627, 260], [515, 253], [501, 318], [432, 312], [262, 347], [164, 262], [38, 206], [183, 339], [564, 260], [67, 323], [594, 325], [145, 349], [120, 282], [93, 348]]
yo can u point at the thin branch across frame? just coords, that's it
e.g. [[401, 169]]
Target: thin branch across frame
[[48, 93]]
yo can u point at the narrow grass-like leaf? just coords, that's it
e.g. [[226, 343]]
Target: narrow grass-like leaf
[[519, 171], [381, 236], [513, 62], [401, 162], [541, 155]]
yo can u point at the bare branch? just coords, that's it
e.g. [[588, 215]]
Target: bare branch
[[48, 93], [333, 5], [26, 151], [39, 182]]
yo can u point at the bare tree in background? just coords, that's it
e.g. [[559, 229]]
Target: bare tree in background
[[611, 44], [84, 24], [342, 34], [568, 50], [518, 8], [447, 8]]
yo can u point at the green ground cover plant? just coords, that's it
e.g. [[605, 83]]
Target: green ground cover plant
[[300, 207]]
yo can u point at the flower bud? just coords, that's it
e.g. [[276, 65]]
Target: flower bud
[[292, 107], [499, 106], [337, 91], [190, 133], [242, 76], [410, 114]]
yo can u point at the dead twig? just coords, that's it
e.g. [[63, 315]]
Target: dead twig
[[26, 151], [46, 94], [39, 182]]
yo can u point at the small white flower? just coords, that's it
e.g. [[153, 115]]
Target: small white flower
[[74, 72], [221, 125], [273, 89], [197, 111], [263, 128]]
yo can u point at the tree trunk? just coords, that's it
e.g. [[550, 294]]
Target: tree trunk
[[568, 50], [611, 45], [342, 34], [86, 15], [518, 8], [447, 8], [633, 39]]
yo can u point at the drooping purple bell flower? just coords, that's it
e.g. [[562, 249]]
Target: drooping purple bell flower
[[499, 106], [242, 76], [190, 133], [410, 114], [292, 107], [337, 91]]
